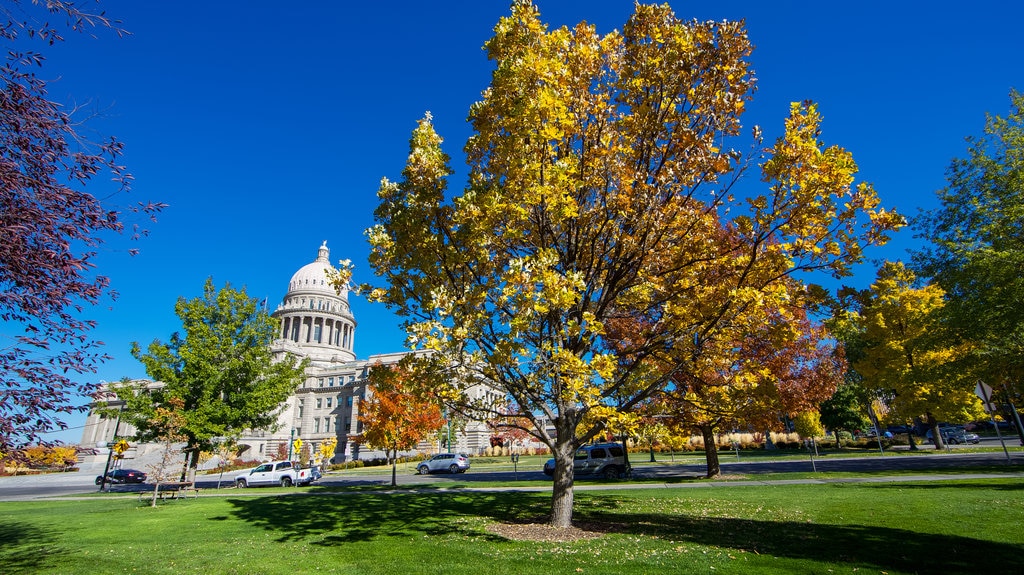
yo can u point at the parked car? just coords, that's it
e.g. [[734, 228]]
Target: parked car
[[604, 459], [283, 473], [450, 462], [955, 436], [309, 475], [123, 476], [986, 425]]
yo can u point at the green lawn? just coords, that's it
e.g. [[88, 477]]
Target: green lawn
[[964, 526]]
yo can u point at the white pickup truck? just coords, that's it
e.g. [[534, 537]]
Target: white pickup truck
[[283, 473]]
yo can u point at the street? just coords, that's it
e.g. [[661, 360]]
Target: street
[[29, 487]]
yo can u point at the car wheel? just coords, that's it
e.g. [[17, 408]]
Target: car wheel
[[240, 483], [286, 482], [953, 441], [453, 469], [422, 470], [611, 472], [99, 480]]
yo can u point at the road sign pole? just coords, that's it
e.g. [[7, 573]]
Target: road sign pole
[[984, 392]]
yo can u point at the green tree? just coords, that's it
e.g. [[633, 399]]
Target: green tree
[[976, 250], [221, 369], [844, 411], [599, 186]]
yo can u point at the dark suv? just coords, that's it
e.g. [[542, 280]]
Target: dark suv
[[604, 459]]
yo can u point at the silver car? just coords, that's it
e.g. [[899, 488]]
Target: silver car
[[606, 460], [450, 462]]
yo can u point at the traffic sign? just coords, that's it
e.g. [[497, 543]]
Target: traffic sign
[[984, 392]]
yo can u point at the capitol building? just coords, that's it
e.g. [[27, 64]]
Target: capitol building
[[317, 324]]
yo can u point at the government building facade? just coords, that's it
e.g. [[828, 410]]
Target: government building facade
[[317, 324]]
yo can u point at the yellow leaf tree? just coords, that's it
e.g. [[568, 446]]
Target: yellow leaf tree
[[906, 356], [600, 181]]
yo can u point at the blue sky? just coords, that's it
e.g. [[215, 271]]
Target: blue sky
[[267, 129]]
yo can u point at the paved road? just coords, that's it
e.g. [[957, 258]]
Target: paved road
[[54, 485]]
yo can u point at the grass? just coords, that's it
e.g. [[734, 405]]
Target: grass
[[960, 526]]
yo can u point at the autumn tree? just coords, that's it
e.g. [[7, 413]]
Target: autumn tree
[[221, 369], [325, 452], [651, 430], [600, 176], [50, 226], [753, 375], [976, 249], [908, 358], [512, 431], [166, 426], [396, 414]]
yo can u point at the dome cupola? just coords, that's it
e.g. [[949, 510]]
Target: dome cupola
[[315, 317]]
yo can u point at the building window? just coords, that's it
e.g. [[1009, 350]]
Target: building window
[[327, 425], [316, 426], [301, 405], [321, 382], [348, 401], [329, 402], [319, 403], [317, 329], [330, 382]]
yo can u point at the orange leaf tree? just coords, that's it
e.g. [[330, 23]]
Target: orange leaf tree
[[396, 415]]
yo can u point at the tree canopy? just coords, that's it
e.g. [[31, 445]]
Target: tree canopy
[[600, 187], [50, 227], [221, 370], [396, 415], [907, 358], [976, 249]]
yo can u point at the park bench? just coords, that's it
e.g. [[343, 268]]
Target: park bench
[[171, 490]]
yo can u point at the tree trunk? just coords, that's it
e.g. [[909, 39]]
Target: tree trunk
[[839, 445], [933, 424], [710, 450], [562, 489], [394, 467], [652, 451]]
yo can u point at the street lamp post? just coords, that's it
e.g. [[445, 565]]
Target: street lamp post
[[110, 449]]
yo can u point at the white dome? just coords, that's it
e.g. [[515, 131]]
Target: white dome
[[313, 276]]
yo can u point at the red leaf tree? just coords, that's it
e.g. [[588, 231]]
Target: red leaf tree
[[49, 230], [396, 415]]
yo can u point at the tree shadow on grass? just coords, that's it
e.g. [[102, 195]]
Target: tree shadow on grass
[[20, 546], [370, 516], [959, 484], [365, 516], [882, 547]]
